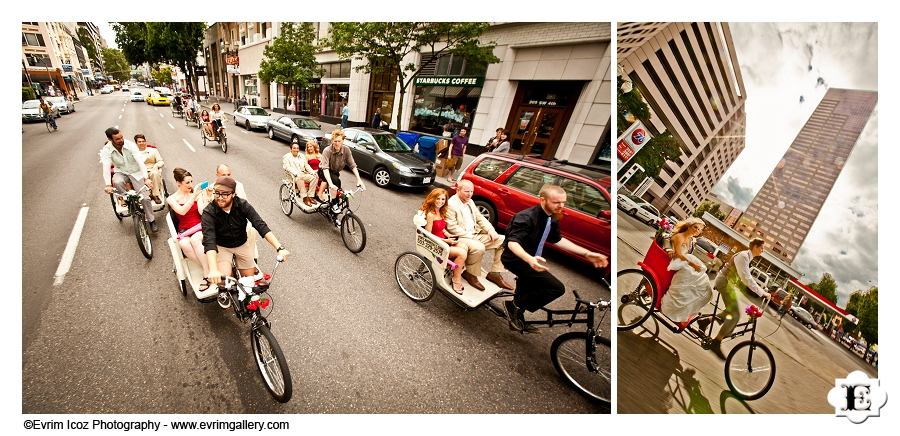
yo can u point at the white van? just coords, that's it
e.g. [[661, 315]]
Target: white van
[[762, 279]]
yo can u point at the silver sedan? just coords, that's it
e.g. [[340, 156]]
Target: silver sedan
[[295, 128], [251, 117]]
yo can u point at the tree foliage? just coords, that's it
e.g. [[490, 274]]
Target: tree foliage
[[291, 57], [826, 287], [162, 75], [88, 43], [864, 304], [384, 46], [115, 65], [655, 152], [711, 207], [174, 43]]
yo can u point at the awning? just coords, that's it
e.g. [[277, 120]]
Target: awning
[[815, 295]]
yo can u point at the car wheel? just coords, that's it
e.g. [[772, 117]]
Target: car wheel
[[633, 212], [271, 133], [295, 138], [381, 176], [487, 210], [247, 124]]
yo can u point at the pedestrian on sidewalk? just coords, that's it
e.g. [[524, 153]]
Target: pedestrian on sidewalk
[[345, 116], [457, 150]]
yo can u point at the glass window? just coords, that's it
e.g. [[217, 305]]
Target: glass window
[[305, 123], [350, 135], [530, 180], [35, 39], [491, 168], [583, 197], [391, 143]]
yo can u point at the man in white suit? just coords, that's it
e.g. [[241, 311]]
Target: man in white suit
[[465, 222]]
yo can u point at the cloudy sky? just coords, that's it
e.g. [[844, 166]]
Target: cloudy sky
[[781, 62]]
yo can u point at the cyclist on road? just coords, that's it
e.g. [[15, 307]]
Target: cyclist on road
[[46, 109], [334, 158], [224, 224], [528, 231], [130, 168]]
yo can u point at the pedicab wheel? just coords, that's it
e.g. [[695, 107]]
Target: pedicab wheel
[[203, 136], [165, 190], [570, 353], [750, 370], [287, 205], [142, 234], [636, 294], [353, 233], [223, 141], [415, 276], [271, 363], [112, 199], [183, 286]]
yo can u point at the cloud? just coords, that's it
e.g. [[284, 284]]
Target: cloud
[[735, 194]]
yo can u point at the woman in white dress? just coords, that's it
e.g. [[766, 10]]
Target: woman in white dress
[[690, 289]]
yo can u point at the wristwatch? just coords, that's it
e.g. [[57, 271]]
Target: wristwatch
[[280, 247]]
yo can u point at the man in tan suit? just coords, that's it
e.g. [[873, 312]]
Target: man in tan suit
[[464, 221]]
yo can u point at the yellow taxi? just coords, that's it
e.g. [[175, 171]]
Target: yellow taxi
[[156, 98]]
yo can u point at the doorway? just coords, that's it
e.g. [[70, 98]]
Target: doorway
[[537, 130]]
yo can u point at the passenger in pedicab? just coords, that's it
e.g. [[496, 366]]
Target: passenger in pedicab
[[690, 289], [154, 163], [314, 158], [183, 203], [297, 170], [435, 209], [207, 123], [526, 235]]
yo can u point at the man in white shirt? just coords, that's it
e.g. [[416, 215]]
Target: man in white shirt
[[465, 222], [154, 163], [298, 170], [735, 277], [130, 167], [225, 171]]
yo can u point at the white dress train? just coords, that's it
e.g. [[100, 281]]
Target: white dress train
[[690, 289]]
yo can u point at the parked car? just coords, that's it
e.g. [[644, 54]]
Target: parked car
[[778, 297], [106, 89], [31, 111], [63, 104], [137, 96], [639, 208], [251, 117], [762, 279], [708, 253], [156, 98], [506, 184], [387, 158], [295, 128], [804, 317]]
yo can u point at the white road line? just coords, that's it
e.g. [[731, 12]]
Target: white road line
[[188, 144], [244, 132], [123, 109], [120, 116], [161, 116], [69, 254], [116, 126], [170, 126]]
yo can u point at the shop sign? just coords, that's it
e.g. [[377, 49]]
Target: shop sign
[[631, 141], [231, 58], [541, 103], [462, 81], [67, 68], [232, 69]]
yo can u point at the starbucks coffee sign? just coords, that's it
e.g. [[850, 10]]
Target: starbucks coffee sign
[[463, 81]]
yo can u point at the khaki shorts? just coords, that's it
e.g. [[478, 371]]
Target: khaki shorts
[[243, 256], [454, 162]]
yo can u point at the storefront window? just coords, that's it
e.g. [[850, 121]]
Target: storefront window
[[336, 70], [335, 98], [452, 105]]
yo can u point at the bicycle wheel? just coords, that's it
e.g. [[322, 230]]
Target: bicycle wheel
[[223, 141], [271, 363], [353, 233], [636, 293], [49, 127], [112, 200], [287, 204], [142, 234], [415, 276], [750, 370], [570, 353]]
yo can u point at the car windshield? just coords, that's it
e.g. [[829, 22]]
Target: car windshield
[[31, 104], [389, 142], [257, 111], [305, 123]]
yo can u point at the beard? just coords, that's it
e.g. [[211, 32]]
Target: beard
[[558, 216]]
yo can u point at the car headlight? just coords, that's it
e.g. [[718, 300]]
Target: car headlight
[[402, 168]]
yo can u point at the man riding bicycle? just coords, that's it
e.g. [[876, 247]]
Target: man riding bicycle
[[130, 168], [224, 223], [334, 158], [46, 109]]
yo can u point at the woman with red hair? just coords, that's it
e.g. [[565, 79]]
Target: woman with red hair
[[435, 209]]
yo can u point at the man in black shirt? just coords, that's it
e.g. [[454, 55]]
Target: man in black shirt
[[528, 231], [224, 224]]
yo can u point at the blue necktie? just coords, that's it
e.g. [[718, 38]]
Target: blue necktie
[[540, 247]]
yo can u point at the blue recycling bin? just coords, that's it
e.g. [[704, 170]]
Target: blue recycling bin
[[409, 138], [427, 146]]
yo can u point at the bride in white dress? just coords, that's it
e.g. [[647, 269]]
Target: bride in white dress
[[690, 289]]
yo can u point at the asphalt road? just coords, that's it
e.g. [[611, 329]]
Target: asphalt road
[[118, 337], [663, 372]]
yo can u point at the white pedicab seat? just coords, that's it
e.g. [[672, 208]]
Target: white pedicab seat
[[190, 273], [435, 250]]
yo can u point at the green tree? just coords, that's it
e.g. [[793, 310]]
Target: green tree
[[162, 75], [826, 287], [864, 305], [291, 57], [115, 65], [711, 207], [174, 43], [384, 46], [28, 93], [655, 152]]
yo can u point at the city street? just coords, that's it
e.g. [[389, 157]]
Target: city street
[[662, 372], [117, 336]]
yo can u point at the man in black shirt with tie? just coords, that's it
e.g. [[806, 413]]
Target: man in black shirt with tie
[[526, 236]]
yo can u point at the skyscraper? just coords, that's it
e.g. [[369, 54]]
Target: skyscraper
[[789, 202], [688, 74]]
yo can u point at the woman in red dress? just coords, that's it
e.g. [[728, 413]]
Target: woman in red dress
[[314, 158], [184, 203], [435, 208]]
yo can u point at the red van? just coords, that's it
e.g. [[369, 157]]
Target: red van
[[508, 183]]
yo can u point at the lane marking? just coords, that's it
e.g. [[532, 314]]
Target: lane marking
[[116, 126], [161, 116], [120, 116], [245, 132], [69, 254], [170, 125], [123, 109], [188, 144]]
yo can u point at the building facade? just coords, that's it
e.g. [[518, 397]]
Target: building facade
[[789, 202], [688, 74], [53, 60]]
